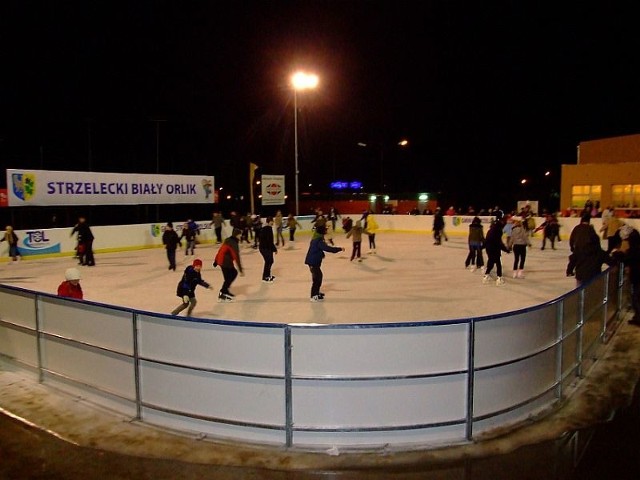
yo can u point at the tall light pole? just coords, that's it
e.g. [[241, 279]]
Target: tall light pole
[[299, 81]]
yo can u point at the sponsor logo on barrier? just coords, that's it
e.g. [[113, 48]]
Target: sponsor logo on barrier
[[156, 230], [36, 243]]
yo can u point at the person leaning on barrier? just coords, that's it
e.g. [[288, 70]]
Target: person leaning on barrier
[[587, 254], [631, 260]]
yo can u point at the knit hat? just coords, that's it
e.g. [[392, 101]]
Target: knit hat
[[72, 274], [236, 231], [197, 262]]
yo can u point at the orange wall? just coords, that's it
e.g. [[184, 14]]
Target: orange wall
[[610, 150]]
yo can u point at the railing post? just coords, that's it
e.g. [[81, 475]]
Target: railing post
[[470, 378], [605, 309], [560, 349], [288, 390], [39, 339], [580, 331], [620, 289], [136, 366]]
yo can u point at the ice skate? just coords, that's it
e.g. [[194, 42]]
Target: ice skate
[[499, 281], [486, 279], [317, 298], [520, 273], [471, 268], [269, 279], [515, 274], [224, 297]]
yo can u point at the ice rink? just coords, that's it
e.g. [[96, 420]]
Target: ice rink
[[408, 279]]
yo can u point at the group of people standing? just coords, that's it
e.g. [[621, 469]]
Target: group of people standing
[[586, 258]]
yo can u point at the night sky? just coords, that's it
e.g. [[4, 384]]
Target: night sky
[[486, 93]]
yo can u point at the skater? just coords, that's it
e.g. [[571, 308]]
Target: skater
[[292, 224], [85, 242], [247, 228], [612, 232], [267, 249], [217, 223], [314, 257], [186, 290], [170, 240], [494, 246], [334, 216], [518, 243], [70, 287], [12, 240], [328, 236], [189, 231], [588, 255], [631, 260], [228, 257], [278, 221], [438, 226], [550, 230], [508, 227], [476, 244], [347, 224], [370, 228], [319, 220], [256, 226], [356, 235]]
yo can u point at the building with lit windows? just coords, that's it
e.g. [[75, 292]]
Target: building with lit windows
[[607, 173]]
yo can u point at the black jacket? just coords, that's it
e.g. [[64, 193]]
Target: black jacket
[[266, 239], [493, 242], [189, 281], [170, 239]]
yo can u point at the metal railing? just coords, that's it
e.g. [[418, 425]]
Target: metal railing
[[310, 386]]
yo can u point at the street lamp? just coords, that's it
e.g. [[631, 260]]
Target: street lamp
[[299, 81]]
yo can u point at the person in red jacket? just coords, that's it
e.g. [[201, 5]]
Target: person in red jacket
[[227, 258], [71, 286]]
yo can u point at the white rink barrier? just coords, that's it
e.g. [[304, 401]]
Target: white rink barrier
[[310, 387], [58, 241]]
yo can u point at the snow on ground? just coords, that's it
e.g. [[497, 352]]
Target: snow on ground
[[409, 279]]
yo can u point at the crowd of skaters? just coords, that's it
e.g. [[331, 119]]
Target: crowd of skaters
[[511, 234], [265, 235]]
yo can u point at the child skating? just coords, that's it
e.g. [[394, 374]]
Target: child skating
[[186, 290], [314, 257], [494, 247]]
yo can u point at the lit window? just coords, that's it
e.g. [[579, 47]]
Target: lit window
[[627, 196], [581, 193]]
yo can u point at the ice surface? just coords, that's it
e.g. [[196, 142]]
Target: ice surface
[[408, 279]]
